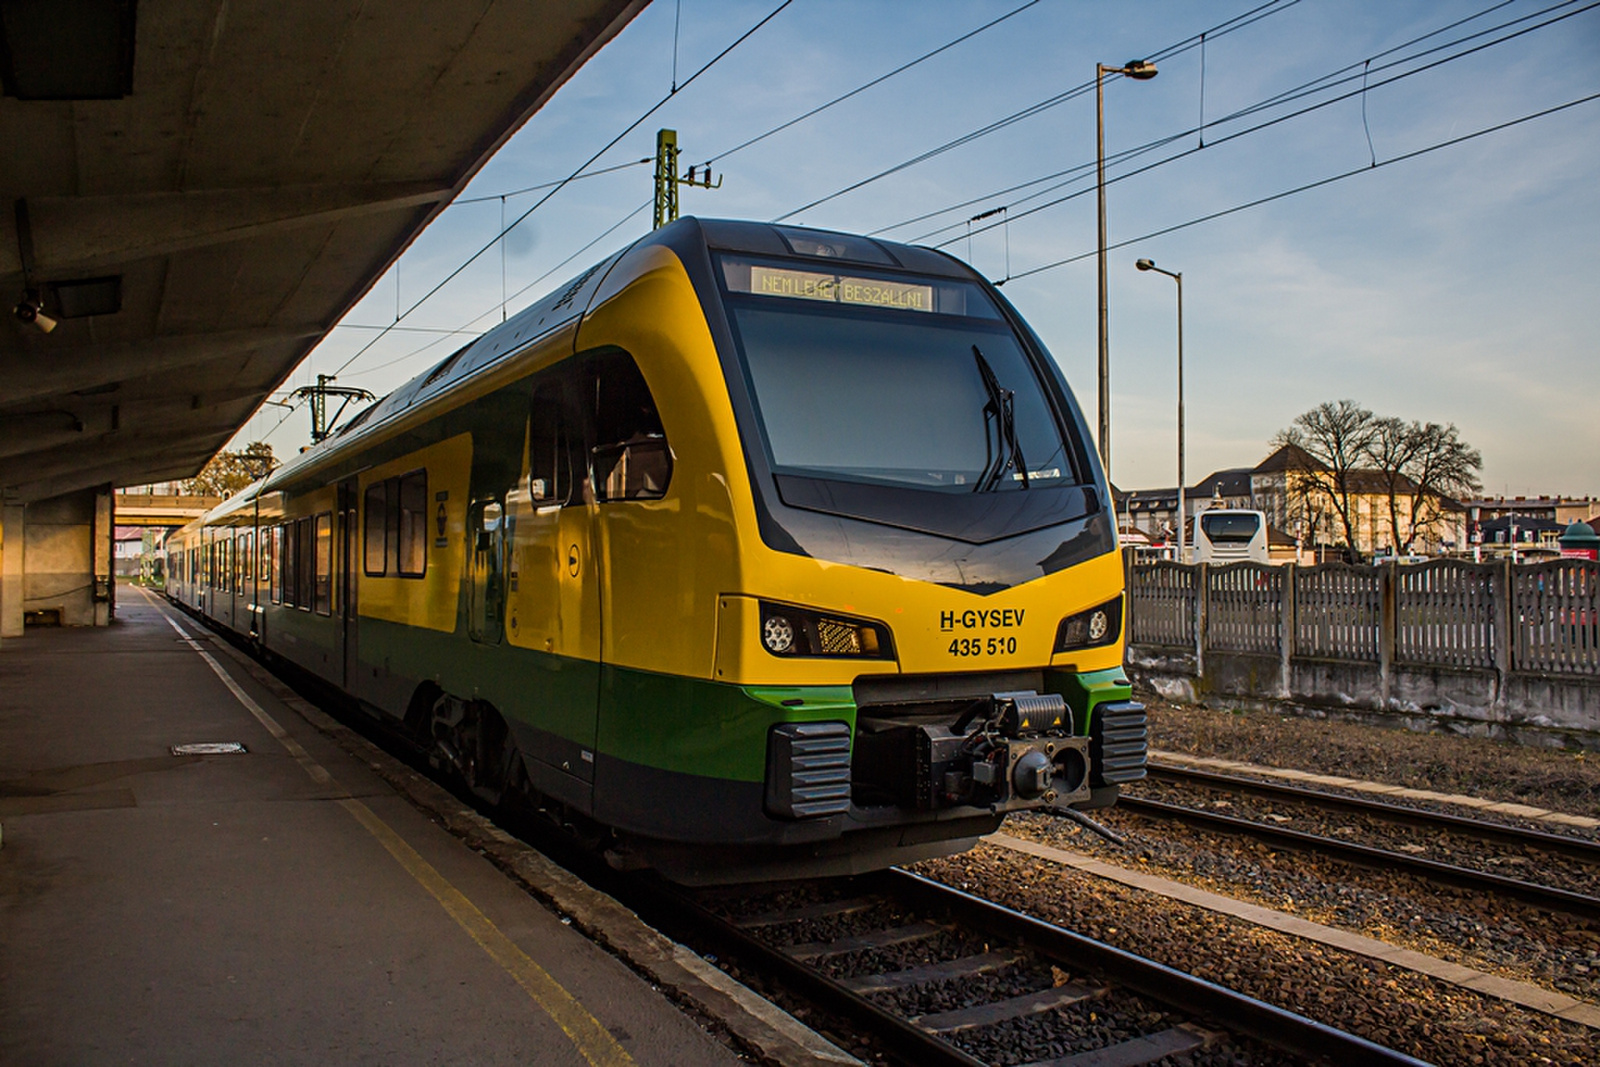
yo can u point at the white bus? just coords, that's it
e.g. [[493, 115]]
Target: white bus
[[1222, 535]]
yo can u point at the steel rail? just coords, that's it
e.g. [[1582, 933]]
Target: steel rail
[[666, 906], [1573, 847], [681, 914], [672, 909], [1275, 1026], [1542, 896]]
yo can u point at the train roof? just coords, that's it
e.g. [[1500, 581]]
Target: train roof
[[568, 302]]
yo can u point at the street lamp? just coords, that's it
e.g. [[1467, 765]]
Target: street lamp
[[1139, 70], [1177, 276]]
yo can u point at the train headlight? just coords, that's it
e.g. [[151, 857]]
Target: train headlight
[[777, 633], [792, 631], [1090, 629]]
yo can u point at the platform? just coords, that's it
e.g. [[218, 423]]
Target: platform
[[280, 905]]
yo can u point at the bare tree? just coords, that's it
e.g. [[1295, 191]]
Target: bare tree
[[228, 472], [1329, 444], [1421, 466]]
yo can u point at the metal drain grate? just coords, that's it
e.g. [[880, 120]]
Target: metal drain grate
[[210, 748]]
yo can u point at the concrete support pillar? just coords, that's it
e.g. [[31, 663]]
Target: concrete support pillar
[[1388, 630], [68, 547], [13, 539], [102, 551], [1503, 635], [1286, 630]]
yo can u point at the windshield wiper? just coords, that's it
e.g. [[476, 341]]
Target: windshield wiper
[[1009, 454]]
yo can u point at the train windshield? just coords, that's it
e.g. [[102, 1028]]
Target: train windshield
[[894, 381]]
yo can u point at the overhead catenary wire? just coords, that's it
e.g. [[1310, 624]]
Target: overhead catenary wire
[[550, 184], [1321, 83], [902, 68], [1365, 168], [1235, 135], [864, 86], [1238, 22], [419, 351], [1234, 23], [1261, 11], [567, 180]]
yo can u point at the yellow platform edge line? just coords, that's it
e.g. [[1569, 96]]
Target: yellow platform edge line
[[592, 1040]]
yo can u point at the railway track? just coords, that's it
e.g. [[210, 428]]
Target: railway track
[[1049, 988], [1581, 904], [934, 976]]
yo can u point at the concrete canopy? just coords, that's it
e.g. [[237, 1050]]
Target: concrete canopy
[[223, 180]]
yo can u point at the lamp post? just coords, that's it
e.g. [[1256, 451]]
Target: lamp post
[[1139, 70], [1177, 276]]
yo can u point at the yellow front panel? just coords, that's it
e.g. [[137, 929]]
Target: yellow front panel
[[683, 574], [665, 560], [935, 629], [429, 601]]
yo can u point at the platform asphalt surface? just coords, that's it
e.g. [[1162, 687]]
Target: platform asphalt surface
[[284, 905]]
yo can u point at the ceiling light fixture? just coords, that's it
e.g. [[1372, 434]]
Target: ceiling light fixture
[[30, 309]]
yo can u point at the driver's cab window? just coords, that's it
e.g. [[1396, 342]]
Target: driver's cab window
[[490, 516], [549, 448], [630, 459]]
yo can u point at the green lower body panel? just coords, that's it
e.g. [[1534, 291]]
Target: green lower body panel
[[671, 759]]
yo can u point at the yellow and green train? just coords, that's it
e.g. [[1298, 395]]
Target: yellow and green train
[[755, 551]]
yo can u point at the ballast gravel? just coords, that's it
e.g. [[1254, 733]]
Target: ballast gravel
[[1419, 1015]]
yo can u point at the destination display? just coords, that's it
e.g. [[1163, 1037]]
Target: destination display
[[840, 289]]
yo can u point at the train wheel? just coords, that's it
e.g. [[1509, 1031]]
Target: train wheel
[[496, 760], [471, 742]]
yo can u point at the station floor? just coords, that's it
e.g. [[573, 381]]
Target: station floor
[[284, 905]]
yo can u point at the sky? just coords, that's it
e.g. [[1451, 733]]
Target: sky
[[1453, 284]]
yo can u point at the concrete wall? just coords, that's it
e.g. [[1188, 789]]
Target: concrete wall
[[1536, 709], [55, 556], [1493, 649]]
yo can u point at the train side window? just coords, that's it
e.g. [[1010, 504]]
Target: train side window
[[549, 447], [306, 547], [375, 513], [290, 564], [269, 561], [412, 543], [323, 593], [630, 459], [249, 559]]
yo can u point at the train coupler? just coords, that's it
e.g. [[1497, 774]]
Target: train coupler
[[1005, 751]]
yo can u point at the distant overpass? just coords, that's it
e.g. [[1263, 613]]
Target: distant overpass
[[145, 509], [195, 192]]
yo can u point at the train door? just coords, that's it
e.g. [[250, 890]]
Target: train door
[[486, 528], [249, 605], [203, 572], [553, 601], [230, 598], [345, 605]]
